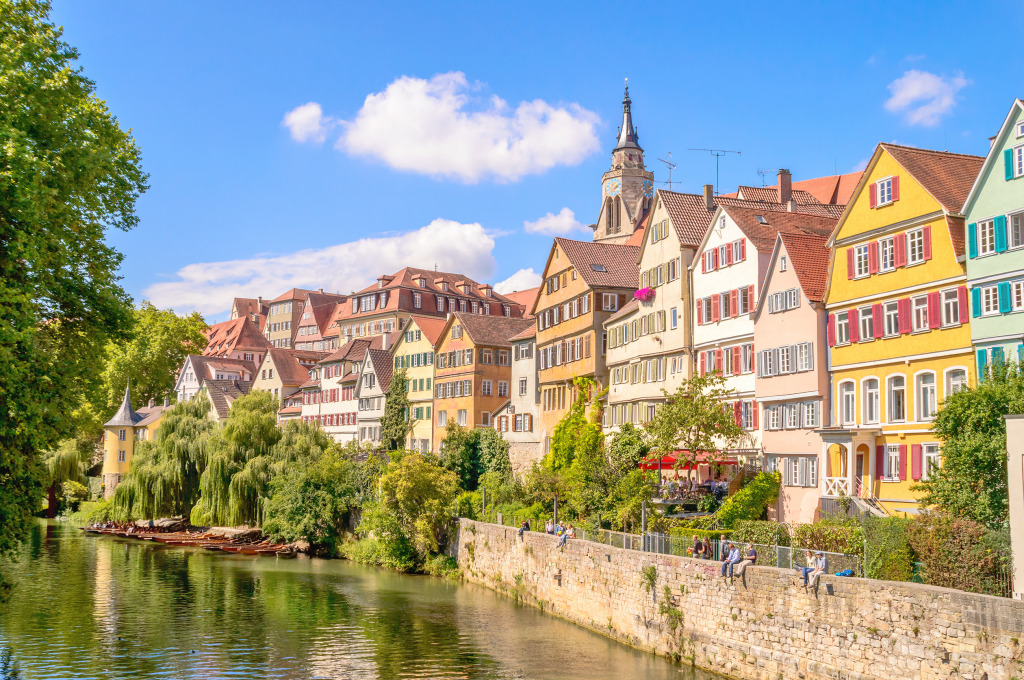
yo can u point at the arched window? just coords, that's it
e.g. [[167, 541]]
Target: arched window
[[608, 215], [847, 404], [956, 380], [872, 402], [925, 395], [897, 399], [618, 216]]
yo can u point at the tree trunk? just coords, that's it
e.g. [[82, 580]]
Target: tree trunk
[[51, 501]]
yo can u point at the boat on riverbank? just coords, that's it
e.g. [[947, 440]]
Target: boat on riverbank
[[208, 540]]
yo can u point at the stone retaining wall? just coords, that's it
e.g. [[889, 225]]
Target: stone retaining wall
[[763, 627]]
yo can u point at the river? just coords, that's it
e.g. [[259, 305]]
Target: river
[[88, 606]]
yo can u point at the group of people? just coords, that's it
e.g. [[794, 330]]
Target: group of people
[[735, 561], [817, 564], [563, 532]]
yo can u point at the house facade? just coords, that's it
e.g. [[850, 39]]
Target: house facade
[[120, 434], [791, 384], [374, 380], [283, 317], [897, 323], [516, 419], [338, 407], [414, 353], [198, 369], [318, 310], [994, 213], [238, 338], [284, 371]]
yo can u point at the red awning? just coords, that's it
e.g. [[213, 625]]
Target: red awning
[[669, 461]]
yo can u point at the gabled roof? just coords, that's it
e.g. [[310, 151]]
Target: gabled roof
[[809, 256], [382, 367], [762, 226], [995, 150], [492, 331], [151, 414], [431, 326], [236, 335], [618, 262], [293, 294], [530, 332], [626, 310], [637, 237], [353, 350], [125, 416], [689, 215], [524, 297], [223, 392], [248, 307], [771, 194], [289, 370], [205, 367], [948, 177]]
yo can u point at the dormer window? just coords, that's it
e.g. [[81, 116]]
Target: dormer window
[[760, 219], [598, 267], [1020, 129], [444, 286]]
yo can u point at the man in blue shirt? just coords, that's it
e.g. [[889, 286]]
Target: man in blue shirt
[[731, 560]]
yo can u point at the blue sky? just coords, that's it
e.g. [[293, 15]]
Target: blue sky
[[397, 153]]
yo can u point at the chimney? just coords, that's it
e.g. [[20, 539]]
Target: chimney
[[791, 205], [152, 402], [709, 196], [321, 291], [785, 185], [167, 401]]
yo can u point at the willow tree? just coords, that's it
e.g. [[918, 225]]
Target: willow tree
[[163, 480], [66, 464]]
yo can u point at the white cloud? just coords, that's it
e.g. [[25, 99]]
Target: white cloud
[[209, 286], [555, 225], [861, 165], [439, 127], [307, 123], [523, 279], [923, 97]]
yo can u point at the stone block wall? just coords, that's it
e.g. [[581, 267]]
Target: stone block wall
[[762, 627]]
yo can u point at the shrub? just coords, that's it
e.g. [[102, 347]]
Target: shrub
[[888, 555], [763, 532], [751, 501], [444, 566], [839, 535], [957, 553]]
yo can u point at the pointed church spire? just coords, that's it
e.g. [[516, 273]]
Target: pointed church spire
[[628, 139], [125, 416]]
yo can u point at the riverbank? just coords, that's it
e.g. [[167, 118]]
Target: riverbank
[[763, 627]]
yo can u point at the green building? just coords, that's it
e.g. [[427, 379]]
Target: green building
[[995, 247]]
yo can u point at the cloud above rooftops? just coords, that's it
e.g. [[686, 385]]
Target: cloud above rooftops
[[442, 127], [524, 279], [210, 286], [924, 98], [562, 224]]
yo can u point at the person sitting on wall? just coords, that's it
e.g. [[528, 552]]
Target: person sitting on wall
[[820, 567], [549, 527], [565, 534], [732, 558], [524, 527], [698, 547], [808, 566], [749, 557], [707, 549]]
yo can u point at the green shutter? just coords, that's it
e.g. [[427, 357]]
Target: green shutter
[[1005, 303], [981, 365], [997, 356], [1000, 233], [975, 302], [972, 239], [1008, 163]]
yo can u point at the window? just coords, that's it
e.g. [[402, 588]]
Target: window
[[847, 404], [867, 326], [1018, 295], [744, 301], [675, 318], [747, 354], [892, 463], [919, 313], [522, 386], [887, 254], [121, 456], [926, 402], [884, 191], [725, 309], [930, 460], [842, 328], [990, 300], [727, 360], [950, 307], [986, 237], [502, 388], [892, 319], [747, 415], [782, 263], [897, 399], [871, 408], [810, 414], [772, 417], [860, 258], [956, 380], [485, 418], [800, 471], [122, 435], [1018, 161], [792, 416], [460, 417], [1017, 230], [804, 361], [609, 302], [915, 246]]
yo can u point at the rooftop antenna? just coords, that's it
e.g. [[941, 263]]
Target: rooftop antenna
[[765, 173], [671, 166], [717, 153]]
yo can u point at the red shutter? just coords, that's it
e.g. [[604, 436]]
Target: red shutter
[[743, 249], [734, 297], [737, 412], [915, 461], [736, 359], [718, 360], [700, 313], [895, 188], [903, 309], [753, 358], [728, 255], [704, 263], [831, 330], [927, 241], [850, 267], [753, 410], [872, 196], [714, 259], [750, 298], [901, 250], [877, 322], [934, 311], [715, 307], [903, 462], [854, 326], [879, 462], [961, 298], [703, 367], [873, 257]]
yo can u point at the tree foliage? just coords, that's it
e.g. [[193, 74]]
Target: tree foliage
[[751, 501], [575, 432], [68, 174], [972, 481], [470, 453], [65, 465], [395, 423]]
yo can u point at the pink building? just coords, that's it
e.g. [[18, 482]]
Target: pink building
[[791, 386]]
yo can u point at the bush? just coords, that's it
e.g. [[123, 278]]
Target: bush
[[762, 532], [467, 504], [887, 552], [838, 535], [444, 566], [957, 553], [751, 501]]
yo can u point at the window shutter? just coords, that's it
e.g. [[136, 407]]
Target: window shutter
[[736, 356], [700, 312], [879, 462], [1001, 233], [775, 361], [903, 462], [877, 322], [903, 310], [972, 239], [872, 195], [901, 249], [895, 188], [975, 302], [961, 299], [1005, 303], [934, 310], [719, 364], [704, 263], [753, 411], [831, 330], [703, 366], [716, 305], [734, 301], [915, 461], [737, 412], [854, 325], [728, 255], [714, 259], [927, 239], [750, 298], [1008, 164], [743, 249], [850, 266], [873, 257]]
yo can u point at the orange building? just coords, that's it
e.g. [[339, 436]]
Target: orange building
[[472, 369], [584, 284]]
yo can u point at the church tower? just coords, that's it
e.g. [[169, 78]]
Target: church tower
[[627, 187]]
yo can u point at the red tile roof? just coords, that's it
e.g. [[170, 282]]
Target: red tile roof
[[689, 215], [492, 331], [637, 237], [956, 234], [524, 297], [809, 255], [948, 177], [382, 366], [762, 232], [617, 261], [239, 335], [353, 350], [530, 332], [771, 194], [289, 370], [431, 327], [293, 294]]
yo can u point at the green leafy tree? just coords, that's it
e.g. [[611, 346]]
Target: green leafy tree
[[696, 420], [627, 448], [494, 449], [460, 453], [972, 482], [68, 174], [65, 465], [575, 432], [395, 423]]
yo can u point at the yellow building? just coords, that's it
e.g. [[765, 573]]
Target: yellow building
[[414, 352], [120, 434], [898, 328]]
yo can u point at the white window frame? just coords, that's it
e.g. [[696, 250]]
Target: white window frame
[[883, 193], [891, 312], [950, 307], [1017, 295], [919, 313], [843, 328], [892, 463], [871, 409], [810, 413], [860, 259], [949, 387], [990, 300], [847, 403], [1015, 229], [609, 302], [886, 254], [931, 458], [915, 246], [804, 361], [866, 322], [986, 237], [921, 400], [890, 401], [1018, 160]]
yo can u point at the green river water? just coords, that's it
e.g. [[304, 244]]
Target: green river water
[[88, 606]]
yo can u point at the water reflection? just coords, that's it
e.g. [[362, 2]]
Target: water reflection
[[92, 607]]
